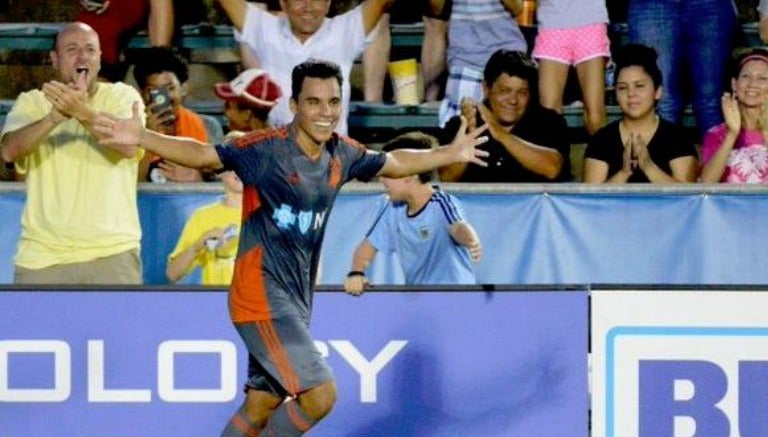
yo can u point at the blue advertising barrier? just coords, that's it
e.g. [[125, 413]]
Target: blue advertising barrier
[[539, 234], [158, 363]]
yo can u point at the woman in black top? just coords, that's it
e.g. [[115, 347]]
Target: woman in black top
[[641, 146]]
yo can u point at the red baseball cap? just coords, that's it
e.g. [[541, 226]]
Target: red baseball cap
[[253, 87]]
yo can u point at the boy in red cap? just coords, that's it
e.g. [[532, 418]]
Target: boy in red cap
[[248, 99]]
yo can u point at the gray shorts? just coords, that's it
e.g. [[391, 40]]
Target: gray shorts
[[283, 359]]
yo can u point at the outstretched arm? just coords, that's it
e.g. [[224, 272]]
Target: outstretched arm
[[356, 280], [405, 162], [464, 234], [128, 132]]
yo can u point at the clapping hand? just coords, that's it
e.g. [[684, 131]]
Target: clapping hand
[[731, 113], [68, 100], [469, 111], [640, 152], [628, 159]]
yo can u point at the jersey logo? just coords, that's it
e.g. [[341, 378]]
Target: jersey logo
[[284, 218], [424, 233], [305, 219]]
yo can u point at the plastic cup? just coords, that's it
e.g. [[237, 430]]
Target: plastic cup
[[405, 79]]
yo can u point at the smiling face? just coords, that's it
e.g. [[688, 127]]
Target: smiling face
[[305, 16], [317, 111], [77, 53], [508, 98], [636, 93], [751, 85]]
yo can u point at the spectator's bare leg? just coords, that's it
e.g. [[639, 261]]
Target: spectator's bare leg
[[375, 60], [591, 75], [552, 78], [433, 55]]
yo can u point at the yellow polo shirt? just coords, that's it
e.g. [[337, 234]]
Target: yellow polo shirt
[[81, 197]]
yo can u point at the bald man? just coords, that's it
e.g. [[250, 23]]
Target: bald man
[[80, 224]]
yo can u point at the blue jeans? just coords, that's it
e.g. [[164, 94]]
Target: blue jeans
[[694, 39]]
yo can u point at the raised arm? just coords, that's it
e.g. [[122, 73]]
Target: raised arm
[[463, 149], [128, 132], [372, 12], [160, 25], [712, 171], [236, 10]]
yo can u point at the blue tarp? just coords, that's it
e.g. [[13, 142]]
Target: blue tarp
[[579, 236]]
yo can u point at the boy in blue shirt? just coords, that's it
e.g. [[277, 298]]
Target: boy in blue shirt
[[423, 224]]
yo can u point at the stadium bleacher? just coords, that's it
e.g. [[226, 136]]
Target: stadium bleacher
[[214, 44]]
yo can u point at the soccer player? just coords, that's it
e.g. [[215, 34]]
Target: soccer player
[[291, 176]]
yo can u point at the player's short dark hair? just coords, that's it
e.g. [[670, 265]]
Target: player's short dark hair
[[414, 140], [156, 60], [638, 55], [315, 68], [515, 64]]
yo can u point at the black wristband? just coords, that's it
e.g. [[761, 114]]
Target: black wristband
[[355, 273]]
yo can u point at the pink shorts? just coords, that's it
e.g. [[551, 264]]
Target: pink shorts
[[573, 46]]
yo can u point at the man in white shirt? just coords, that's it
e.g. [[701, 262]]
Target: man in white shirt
[[282, 42]]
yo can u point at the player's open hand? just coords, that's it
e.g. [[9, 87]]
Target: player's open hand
[[466, 141], [117, 132]]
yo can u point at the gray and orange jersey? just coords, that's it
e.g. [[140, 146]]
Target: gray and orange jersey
[[287, 199]]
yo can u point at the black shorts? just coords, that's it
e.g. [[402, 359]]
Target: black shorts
[[403, 12]]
